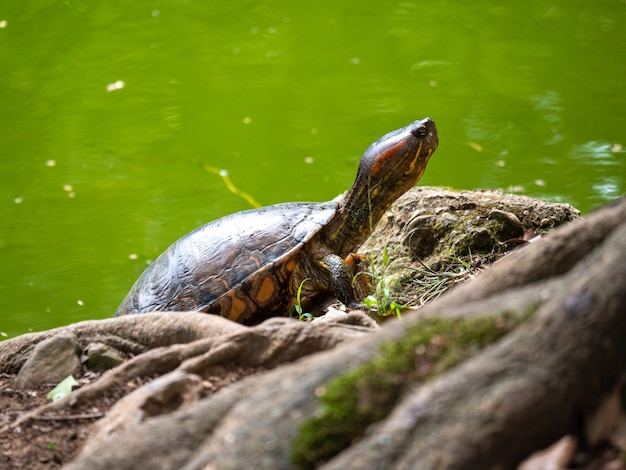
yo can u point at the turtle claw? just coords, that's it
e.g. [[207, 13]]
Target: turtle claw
[[357, 306]]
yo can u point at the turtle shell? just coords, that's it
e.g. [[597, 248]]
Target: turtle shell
[[237, 266]]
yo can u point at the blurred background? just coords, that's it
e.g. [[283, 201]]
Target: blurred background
[[116, 117]]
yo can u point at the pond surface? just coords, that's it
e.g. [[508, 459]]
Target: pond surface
[[117, 116]]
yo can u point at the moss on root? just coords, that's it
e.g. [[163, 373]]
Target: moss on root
[[354, 401]]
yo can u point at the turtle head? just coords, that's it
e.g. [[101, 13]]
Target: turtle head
[[389, 167], [395, 162]]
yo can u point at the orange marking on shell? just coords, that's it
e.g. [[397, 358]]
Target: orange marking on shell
[[266, 290], [237, 307], [256, 261], [388, 154], [224, 283]]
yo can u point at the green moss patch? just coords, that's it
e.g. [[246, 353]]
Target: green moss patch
[[349, 404]]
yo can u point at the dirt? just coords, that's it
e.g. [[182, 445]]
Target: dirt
[[40, 444], [49, 442]]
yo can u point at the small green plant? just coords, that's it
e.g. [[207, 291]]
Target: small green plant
[[381, 297], [297, 308], [52, 446], [385, 306]]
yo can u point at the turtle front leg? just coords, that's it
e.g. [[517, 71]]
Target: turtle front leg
[[362, 280], [340, 277]]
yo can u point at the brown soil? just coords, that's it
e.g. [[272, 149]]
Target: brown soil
[[41, 444], [49, 442]]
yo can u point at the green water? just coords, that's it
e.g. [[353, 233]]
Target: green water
[[111, 111]]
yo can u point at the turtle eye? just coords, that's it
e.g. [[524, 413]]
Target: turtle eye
[[421, 131]]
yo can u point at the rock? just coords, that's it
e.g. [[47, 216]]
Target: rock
[[506, 225], [51, 361], [101, 356], [427, 225], [432, 237]]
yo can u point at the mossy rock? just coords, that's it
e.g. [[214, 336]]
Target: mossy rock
[[435, 230]]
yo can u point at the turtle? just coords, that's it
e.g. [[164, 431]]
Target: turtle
[[251, 265]]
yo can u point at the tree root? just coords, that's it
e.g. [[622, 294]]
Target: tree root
[[544, 380], [274, 342], [132, 334]]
